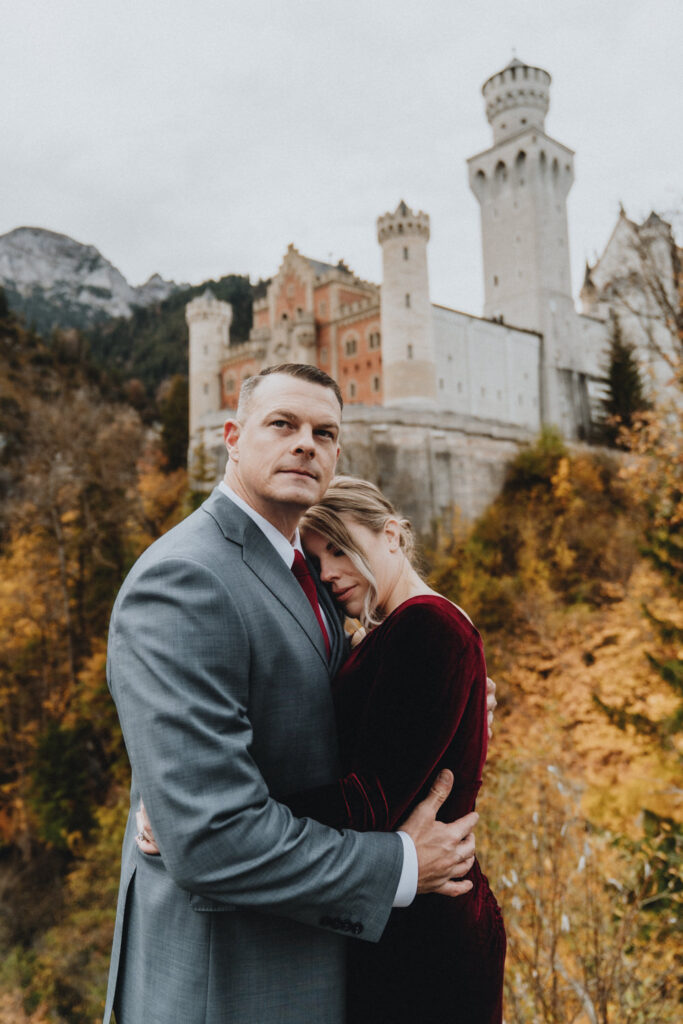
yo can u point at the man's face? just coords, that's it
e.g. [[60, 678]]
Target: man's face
[[283, 455]]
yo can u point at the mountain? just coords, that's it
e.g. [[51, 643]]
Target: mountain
[[55, 281]]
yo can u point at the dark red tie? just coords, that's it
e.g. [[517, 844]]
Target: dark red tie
[[303, 575]]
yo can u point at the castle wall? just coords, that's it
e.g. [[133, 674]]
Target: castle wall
[[359, 359], [487, 370], [432, 464]]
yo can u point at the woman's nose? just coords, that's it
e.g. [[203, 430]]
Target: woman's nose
[[327, 571]]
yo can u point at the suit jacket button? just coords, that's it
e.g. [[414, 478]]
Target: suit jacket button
[[336, 923], [356, 927]]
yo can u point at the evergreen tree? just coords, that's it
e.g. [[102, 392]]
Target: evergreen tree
[[625, 391], [173, 410]]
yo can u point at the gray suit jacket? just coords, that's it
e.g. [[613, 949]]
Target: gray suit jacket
[[218, 669]]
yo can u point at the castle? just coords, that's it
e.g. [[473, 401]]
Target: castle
[[436, 400]]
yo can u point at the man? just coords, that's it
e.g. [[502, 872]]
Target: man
[[219, 667]]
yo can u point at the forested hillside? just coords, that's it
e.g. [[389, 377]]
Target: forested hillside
[[574, 576], [152, 344]]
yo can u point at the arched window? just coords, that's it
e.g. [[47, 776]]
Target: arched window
[[407, 300], [351, 346], [352, 389]]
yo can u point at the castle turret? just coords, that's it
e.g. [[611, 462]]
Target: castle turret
[[517, 98], [208, 320], [522, 183], [408, 363]]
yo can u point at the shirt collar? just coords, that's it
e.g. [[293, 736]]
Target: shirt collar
[[284, 548]]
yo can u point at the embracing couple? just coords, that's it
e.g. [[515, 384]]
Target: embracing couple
[[288, 865]]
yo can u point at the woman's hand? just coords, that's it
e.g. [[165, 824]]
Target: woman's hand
[[145, 837]]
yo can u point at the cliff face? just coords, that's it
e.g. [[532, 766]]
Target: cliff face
[[55, 281]]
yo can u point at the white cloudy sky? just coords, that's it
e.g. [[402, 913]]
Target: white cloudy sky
[[199, 138]]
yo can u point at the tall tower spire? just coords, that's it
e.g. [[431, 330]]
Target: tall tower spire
[[522, 183], [408, 363]]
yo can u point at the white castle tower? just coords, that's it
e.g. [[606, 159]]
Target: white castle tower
[[208, 321], [522, 184], [408, 364]]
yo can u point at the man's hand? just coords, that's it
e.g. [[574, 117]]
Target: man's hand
[[491, 704], [444, 851]]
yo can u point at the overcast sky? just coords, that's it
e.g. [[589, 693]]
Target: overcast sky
[[199, 138]]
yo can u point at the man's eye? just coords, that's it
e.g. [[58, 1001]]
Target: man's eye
[[280, 423], [327, 434]]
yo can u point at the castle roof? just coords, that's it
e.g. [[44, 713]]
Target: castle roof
[[320, 268]]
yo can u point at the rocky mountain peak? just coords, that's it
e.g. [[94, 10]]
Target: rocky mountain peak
[[56, 281]]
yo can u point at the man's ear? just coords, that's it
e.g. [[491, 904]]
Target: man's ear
[[231, 436]]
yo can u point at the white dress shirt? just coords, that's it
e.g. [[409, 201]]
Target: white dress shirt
[[407, 883]]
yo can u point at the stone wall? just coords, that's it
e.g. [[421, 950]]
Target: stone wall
[[431, 465]]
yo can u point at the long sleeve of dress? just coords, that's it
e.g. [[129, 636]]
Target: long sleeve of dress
[[421, 707]]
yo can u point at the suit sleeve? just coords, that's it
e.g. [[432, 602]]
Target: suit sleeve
[[428, 675], [179, 671]]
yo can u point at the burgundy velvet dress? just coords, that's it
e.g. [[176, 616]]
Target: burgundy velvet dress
[[410, 700]]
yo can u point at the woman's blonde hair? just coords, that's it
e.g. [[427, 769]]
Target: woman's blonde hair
[[366, 505]]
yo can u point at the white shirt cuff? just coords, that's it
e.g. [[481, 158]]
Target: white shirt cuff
[[407, 883]]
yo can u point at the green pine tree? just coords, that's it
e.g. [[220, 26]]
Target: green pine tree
[[625, 391]]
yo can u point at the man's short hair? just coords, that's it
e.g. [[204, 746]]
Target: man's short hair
[[303, 371]]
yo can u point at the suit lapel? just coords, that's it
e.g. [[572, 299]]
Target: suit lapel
[[258, 553]]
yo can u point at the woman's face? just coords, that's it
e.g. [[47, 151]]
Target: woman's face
[[347, 583]]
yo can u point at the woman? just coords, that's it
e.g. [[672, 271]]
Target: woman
[[410, 700]]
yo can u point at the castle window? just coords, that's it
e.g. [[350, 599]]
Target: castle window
[[441, 383], [405, 252], [352, 389], [351, 346], [407, 300], [400, 229], [409, 353], [459, 387], [375, 384], [206, 389], [373, 340], [483, 392], [230, 384], [495, 281], [206, 350]]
